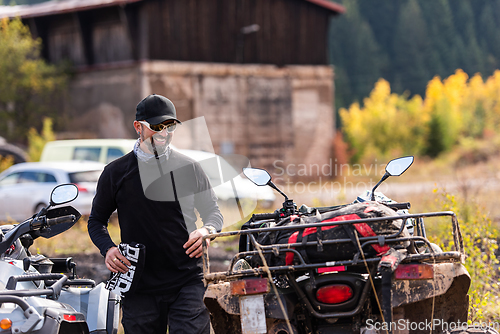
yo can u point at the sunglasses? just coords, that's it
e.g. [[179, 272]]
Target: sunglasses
[[160, 127]]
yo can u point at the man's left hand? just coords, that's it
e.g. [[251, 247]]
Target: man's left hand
[[193, 245]]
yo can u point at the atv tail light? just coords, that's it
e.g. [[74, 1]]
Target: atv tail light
[[5, 323], [69, 317], [334, 294], [414, 271], [323, 270], [249, 286]]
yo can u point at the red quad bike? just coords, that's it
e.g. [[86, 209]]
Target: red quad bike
[[365, 267]]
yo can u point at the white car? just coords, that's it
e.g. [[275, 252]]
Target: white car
[[25, 188]]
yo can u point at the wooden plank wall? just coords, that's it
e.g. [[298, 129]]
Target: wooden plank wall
[[291, 31], [65, 41], [110, 40]]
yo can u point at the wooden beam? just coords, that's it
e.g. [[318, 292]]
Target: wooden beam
[[84, 21], [129, 19]]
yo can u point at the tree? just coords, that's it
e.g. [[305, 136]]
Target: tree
[[413, 40], [442, 31], [381, 14], [490, 38], [28, 86], [356, 54], [412, 50], [471, 57]]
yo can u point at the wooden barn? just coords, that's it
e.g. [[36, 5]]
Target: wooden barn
[[257, 70]]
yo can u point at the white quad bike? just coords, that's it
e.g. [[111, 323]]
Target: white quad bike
[[42, 295]]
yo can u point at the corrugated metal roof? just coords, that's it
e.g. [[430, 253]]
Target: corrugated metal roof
[[67, 6], [57, 7], [333, 6]]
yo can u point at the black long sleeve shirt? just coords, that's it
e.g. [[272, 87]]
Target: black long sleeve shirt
[[161, 223]]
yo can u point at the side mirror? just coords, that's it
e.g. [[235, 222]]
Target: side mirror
[[395, 167], [63, 193], [258, 176], [262, 178], [398, 166]]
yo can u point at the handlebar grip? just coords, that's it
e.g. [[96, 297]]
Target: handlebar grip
[[262, 216], [400, 206], [60, 220]]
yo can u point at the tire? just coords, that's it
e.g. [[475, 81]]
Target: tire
[[281, 327]]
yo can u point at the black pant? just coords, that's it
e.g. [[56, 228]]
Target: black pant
[[182, 312]]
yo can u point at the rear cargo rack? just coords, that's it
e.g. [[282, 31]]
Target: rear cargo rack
[[458, 255]]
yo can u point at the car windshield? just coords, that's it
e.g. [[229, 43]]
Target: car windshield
[[87, 153], [87, 176]]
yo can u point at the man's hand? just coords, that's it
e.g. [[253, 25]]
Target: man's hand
[[115, 261], [193, 245]]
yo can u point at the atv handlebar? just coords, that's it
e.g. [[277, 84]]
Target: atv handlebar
[[263, 216], [16, 300], [400, 206], [60, 220], [53, 291]]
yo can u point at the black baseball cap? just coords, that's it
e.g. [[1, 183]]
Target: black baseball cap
[[155, 109]]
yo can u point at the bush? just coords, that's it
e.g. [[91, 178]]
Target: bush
[[387, 123], [6, 162], [29, 86], [453, 109], [480, 242], [36, 142]]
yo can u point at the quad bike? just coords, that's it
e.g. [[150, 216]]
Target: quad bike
[[365, 267], [35, 294]]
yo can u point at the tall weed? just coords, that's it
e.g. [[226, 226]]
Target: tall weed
[[5, 162], [37, 141], [480, 242]]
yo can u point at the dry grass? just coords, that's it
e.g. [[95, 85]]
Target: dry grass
[[471, 182], [475, 182]]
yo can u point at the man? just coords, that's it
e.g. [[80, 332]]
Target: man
[[170, 291]]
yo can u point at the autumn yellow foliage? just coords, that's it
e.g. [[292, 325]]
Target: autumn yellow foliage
[[385, 123], [37, 141], [454, 108], [30, 88]]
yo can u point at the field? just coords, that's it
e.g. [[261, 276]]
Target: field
[[428, 186]]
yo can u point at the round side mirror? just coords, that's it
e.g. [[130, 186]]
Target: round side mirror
[[63, 193], [398, 166], [258, 176]]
